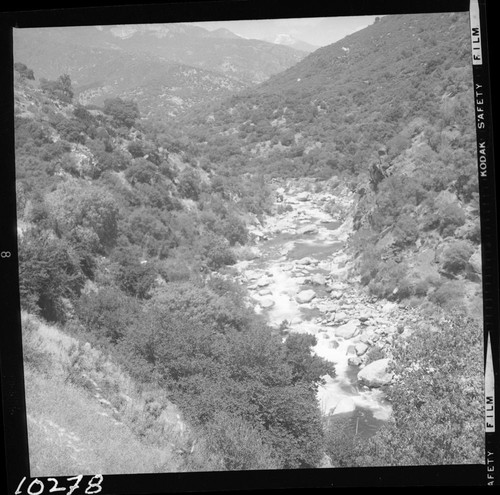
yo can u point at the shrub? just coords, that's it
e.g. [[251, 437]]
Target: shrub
[[405, 231], [136, 149], [72, 130], [216, 252], [134, 276], [391, 281], [455, 258], [142, 171], [24, 71], [239, 444], [374, 353], [306, 367], [449, 295], [49, 272], [59, 89], [234, 230], [341, 444], [189, 184], [450, 216], [124, 112], [107, 313], [78, 203]]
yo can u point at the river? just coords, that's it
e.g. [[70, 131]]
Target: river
[[300, 280]]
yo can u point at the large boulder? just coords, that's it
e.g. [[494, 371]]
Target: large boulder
[[376, 374], [347, 330], [305, 296]]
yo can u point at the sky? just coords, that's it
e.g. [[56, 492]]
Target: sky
[[318, 31]]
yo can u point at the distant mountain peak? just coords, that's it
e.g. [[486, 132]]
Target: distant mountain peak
[[292, 42]]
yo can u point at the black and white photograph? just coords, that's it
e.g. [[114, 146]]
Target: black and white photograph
[[253, 245]]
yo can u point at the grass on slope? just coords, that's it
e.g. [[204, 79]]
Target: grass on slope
[[85, 416]]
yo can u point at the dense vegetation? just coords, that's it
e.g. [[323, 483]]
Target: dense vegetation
[[129, 227], [124, 240]]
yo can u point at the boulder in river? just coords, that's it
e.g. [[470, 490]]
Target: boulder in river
[[305, 296], [361, 348], [303, 196], [307, 229], [267, 303], [348, 330], [307, 261], [376, 373], [354, 361], [318, 279]]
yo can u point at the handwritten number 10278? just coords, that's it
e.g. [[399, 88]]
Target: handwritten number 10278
[[37, 487]]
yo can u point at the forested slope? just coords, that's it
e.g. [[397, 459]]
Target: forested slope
[[122, 241]]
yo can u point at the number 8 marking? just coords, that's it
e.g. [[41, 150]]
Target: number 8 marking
[[95, 487], [5, 254]]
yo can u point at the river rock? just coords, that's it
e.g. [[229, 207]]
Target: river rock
[[303, 196], [340, 316], [364, 316], [360, 348], [265, 292], [354, 361], [263, 282], [267, 303], [318, 279], [307, 229], [347, 330], [375, 374], [251, 275], [335, 294], [305, 296], [307, 261]]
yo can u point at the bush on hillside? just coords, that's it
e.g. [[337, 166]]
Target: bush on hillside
[[107, 313], [49, 273], [59, 89], [124, 112], [455, 258]]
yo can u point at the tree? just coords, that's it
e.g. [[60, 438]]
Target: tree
[[49, 272], [60, 89], [189, 183], [124, 112], [306, 366], [456, 257], [79, 203], [24, 71], [107, 313]]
